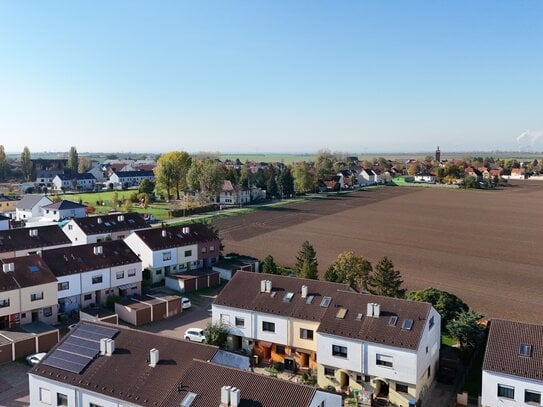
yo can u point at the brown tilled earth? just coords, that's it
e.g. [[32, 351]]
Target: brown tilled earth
[[484, 246]]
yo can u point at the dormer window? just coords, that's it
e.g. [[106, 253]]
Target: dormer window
[[525, 350]]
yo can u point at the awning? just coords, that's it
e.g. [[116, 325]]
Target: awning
[[127, 286], [263, 344]]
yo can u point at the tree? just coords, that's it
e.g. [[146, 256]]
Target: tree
[[470, 182], [26, 164], [127, 205], [385, 280], [207, 177], [286, 183], [324, 163], [3, 164], [350, 269], [306, 262], [304, 181], [146, 187], [448, 305], [84, 165], [271, 187], [268, 265], [216, 333], [246, 178], [171, 171], [467, 329], [73, 160]]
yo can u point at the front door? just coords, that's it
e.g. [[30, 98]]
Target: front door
[[35, 316]]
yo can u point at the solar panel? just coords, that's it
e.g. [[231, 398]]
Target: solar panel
[[64, 364], [407, 324]]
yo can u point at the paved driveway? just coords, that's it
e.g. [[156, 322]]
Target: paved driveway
[[14, 385]]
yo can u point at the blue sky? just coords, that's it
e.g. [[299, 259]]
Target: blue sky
[[271, 76]]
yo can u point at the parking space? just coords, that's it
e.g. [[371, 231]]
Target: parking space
[[14, 384]]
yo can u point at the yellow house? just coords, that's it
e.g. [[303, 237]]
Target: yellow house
[[8, 203]]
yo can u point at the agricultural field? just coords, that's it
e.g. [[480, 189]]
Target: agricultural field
[[484, 246]]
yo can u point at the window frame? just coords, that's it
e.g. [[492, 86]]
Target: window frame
[[306, 334], [505, 391], [268, 326], [340, 351], [239, 322], [534, 393]]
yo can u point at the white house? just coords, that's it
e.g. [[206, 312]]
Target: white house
[[512, 373], [425, 177], [129, 367], [74, 181], [97, 173], [96, 229], [130, 178], [233, 194], [63, 210], [367, 176], [88, 274], [31, 206]]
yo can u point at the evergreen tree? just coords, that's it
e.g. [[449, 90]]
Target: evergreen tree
[[271, 187], [466, 329], [73, 160], [286, 184], [306, 262], [269, 266], [26, 164], [385, 280], [3, 164]]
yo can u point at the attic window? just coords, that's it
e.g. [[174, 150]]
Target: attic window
[[34, 269], [359, 316], [407, 324], [341, 313], [309, 299], [131, 221], [326, 302], [107, 224], [188, 400], [392, 321], [288, 297], [525, 350]]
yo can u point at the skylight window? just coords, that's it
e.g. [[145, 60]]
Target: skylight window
[[392, 320], [288, 297], [359, 316], [326, 302], [341, 313], [309, 299], [525, 350], [407, 324], [34, 269]]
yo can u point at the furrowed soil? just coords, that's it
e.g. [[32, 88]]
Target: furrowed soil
[[484, 246]]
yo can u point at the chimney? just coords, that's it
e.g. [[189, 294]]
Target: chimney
[[225, 396], [164, 233], [154, 357], [235, 397], [369, 312], [304, 291], [186, 230], [376, 310], [33, 232], [99, 220], [262, 286], [268, 286], [120, 218], [110, 347], [98, 250], [103, 346], [8, 267]]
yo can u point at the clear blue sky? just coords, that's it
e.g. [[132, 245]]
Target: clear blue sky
[[271, 76]]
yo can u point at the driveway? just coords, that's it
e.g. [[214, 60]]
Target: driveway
[[14, 385]]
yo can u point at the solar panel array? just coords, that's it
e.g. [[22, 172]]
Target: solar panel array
[[80, 348]]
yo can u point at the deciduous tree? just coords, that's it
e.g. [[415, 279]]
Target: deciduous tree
[[286, 183], [171, 171], [26, 164], [304, 181], [385, 280], [84, 165], [467, 329], [146, 187], [73, 160], [448, 305], [350, 269], [3, 164]]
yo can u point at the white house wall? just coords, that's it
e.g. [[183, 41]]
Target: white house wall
[[280, 335], [158, 258], [20, 253], [86, 280], [489, 391], [403, 361], [74, 233], [431, 341], [231, 313], [140, 248], [352, 362], [74, 286], [14, 302], [182, 259], [136, 267]]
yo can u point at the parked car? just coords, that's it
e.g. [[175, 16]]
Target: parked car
[[195, 334], [185, 303], [36, 358]]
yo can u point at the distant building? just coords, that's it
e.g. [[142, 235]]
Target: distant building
[[438, 155], [63, 210]]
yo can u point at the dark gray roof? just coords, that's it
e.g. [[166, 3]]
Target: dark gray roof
[[76, 176], [503, 345], [21, 239], [29, 201], [93, 225], [173, 236], [131, 174], [64, 205], [28, 271]]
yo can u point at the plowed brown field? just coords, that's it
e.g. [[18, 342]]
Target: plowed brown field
[[484, 246]]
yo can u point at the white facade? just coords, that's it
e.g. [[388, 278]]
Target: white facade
[[354, 360], [25, 213], [56, 214], [428, 178], [510, 386], [229, 316]]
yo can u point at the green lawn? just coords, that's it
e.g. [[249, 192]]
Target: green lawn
[[446, 339]]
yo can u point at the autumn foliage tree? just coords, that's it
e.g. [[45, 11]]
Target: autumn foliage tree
[[350, 269]]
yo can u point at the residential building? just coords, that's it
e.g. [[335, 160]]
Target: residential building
[[20, 242], [8, 203], [137, 368], [88, 274], [475, 173], [275, 317], [513, 365], [28, 292], [4, 222], [45, 177], [63, 210], [175, 249], [96, 229], [518, 173], [367, 176], [233, 194], [346, 179], [128, 179], [30, 206], [74, 181], [98, 174], [426, 177]]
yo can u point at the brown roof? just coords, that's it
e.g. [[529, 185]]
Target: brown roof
[[28, 271], [20, 239], [503, 345], [126, 374], [78, 259], [243, 291], [372, 329], [205, 379], [174, 236], [94, 225]]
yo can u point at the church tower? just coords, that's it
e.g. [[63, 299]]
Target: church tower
[[438, 155]]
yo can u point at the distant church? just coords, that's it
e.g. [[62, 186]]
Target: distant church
[[438, 155]]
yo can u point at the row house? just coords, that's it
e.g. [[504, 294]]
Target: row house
[[30, 206], [126, 367], [63, 210], [130, 178], [20, 242], [74, 181], [88, 274], [513, 365], [28, 292], [45, 177], [96, 229], [275, 317], [175, 249]]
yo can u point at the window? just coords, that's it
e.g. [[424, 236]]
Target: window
[[429, 371], [211, 248], [339, 351], [45, 395], [166, 256], [158, 272], [507, 392], [188, 253], [36, 296], [280, 350], [4, 303], [383, 360], [62, 399], [532, 397], [404, 388], [204, 250], [97, 279], [64, 286], [306, 333], [225, 319], [94, 405], [431, 323], [328, 371], [131, 272], [268, 326], [240, 322], [87, 297], [120, 274], [48, 311], [288, 297], [525, 350]]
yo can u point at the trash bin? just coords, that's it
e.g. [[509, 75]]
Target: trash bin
[[412, 403]]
